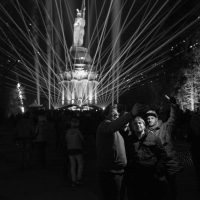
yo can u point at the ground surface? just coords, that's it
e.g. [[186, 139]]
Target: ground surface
[[52, 183]]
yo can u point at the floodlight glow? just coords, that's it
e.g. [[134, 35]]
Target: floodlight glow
[[22, 109], [113, 68]]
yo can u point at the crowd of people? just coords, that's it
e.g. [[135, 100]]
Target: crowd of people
[[35, 131], [135, 150]]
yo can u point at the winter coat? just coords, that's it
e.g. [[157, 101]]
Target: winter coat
[[111, 155], [164, 131], [146, 153]]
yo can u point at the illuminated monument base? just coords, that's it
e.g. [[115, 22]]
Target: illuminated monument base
[[79, 85], [79, 82]]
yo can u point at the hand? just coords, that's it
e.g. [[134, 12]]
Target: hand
[[126, 127], [171, 100]]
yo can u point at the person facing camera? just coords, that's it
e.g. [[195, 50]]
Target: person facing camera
[[146, 160], [111, 154], [164, 130]]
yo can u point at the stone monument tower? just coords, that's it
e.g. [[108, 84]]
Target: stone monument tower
[[79, 82]]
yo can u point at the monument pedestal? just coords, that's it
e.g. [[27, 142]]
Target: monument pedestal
[[79, 83]]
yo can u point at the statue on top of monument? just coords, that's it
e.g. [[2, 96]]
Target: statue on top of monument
[[79, 25]]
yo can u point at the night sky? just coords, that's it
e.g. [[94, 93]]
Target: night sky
[[142, 91]]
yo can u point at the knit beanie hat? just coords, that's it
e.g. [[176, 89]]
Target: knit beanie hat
[[151, 113]]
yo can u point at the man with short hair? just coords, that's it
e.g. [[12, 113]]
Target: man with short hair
[[111, 155]]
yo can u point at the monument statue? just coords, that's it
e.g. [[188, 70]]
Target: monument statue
[[79, 83], [79, 25]]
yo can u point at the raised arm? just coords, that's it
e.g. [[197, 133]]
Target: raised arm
[[116, 125]]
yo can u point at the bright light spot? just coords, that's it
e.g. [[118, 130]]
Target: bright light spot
[[22, 109]]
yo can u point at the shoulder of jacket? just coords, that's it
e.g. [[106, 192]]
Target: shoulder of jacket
[[152, 137]]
